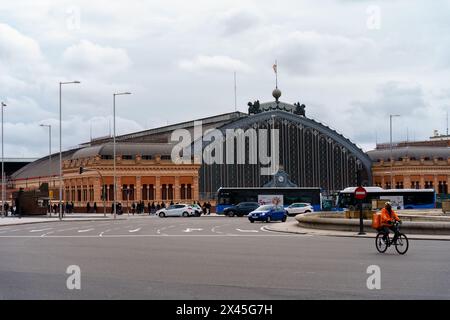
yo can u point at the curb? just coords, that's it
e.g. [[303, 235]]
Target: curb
[[324, 233]]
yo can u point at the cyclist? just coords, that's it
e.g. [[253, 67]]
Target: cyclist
[[388, 219]]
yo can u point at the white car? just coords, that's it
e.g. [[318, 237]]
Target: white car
[[176, 210], [299, 208]]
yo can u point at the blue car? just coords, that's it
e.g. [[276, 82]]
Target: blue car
[[268, 213]]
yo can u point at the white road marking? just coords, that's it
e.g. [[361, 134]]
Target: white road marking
[[163, 235], [45, 234], [40, 230], [192, 229], [164, 228], [86, 230], [135, 230], [101, 234], [240, 230], [9, 230], [67, 229]]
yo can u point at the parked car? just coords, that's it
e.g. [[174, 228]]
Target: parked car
[[176, 210], [299, 208], [197, 210], [240, 210], [268, 213]]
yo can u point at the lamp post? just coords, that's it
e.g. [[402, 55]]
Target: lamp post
[[390, 134], [60, 145], [114, 148], [3, 170], [49, 126]]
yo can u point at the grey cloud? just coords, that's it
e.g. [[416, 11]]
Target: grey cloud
[[238, 21]]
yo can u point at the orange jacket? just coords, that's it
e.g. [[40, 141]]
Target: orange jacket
[[386, 217]]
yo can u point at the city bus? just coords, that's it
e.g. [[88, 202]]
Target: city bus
[[227, 197], [400, 198]]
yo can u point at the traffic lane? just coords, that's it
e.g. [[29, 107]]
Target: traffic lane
[[283, 267], [141, 226]]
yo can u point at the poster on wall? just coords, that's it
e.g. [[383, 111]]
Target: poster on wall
[[396, 201], [264, 199]]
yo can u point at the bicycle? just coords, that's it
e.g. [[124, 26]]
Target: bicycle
[[383, 241]]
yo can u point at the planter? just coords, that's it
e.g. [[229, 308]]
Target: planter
[[367, 214], [446, 206]]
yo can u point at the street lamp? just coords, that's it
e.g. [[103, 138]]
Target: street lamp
[[49, 126], [60, 145], [3, 170], [114, 148], [390, 131]]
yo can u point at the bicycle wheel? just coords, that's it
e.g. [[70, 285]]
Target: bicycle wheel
[[381, 243], [402, 244]]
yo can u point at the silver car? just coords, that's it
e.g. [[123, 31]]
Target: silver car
[[299, 208], [176, 210]]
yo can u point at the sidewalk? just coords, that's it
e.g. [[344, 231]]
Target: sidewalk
[[11, 221], [294, 227]]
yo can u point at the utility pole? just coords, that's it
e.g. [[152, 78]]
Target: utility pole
[[390, 133]]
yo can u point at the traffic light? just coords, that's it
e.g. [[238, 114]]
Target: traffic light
[[81, 170]]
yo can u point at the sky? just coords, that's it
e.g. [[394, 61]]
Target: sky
[[352, 63]]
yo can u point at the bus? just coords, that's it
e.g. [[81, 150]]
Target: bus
[[227, 197], [400, 198]]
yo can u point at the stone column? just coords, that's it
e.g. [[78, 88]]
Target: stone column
[[436, 183], [195, 189], [177, 190], [138, 187], [119, 190], [422, 181], [158, 189], [407, 181], [98, 191], [448, 184]]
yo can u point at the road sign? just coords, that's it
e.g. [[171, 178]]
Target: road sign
[[360, 193]]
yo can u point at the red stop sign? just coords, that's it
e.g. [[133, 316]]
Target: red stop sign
[[360, 193]]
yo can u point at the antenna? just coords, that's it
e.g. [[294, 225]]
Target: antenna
[[447, 123], [235, 92]]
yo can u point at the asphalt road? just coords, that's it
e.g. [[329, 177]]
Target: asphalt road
[[209, 258]]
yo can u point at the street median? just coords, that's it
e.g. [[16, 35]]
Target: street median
[[338, 223]]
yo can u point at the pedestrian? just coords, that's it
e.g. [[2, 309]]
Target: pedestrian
[[6, 207], [133, 208], [72, 206], [95, 207], [153, 207], [88, 208], [208, 207], [158, 206], [204, 208]]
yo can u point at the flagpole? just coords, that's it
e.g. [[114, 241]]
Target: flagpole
[[276, 74]]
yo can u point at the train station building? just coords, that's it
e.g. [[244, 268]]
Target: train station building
[[413, 165], [311, 153]]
